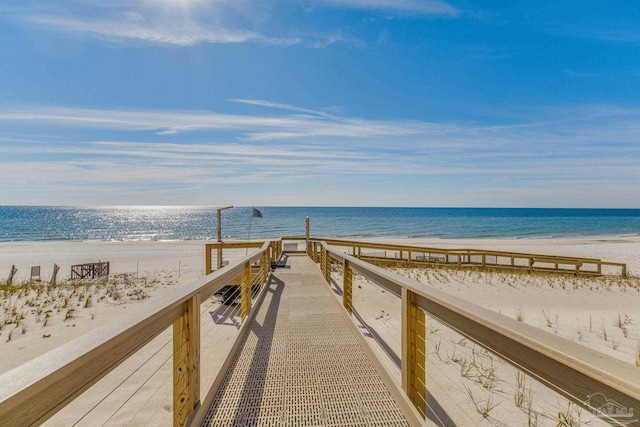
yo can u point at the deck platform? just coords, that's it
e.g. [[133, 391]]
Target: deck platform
[[301, 363]]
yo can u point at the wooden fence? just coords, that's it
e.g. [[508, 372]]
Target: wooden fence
[[90, 271]]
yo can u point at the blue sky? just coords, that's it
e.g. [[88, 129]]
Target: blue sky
[[330, 102]]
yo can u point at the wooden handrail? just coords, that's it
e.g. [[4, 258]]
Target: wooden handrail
[[35, 391], [462, 257], [568, 368], [393, 246]]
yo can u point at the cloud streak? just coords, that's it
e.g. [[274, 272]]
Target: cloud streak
[[149, 24], [419, 7], [593, 147], [189, 23], [246, 127], [145, 32]]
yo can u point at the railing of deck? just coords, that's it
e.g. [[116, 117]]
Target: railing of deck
[[35, 391], [393, 254], [570, 369]]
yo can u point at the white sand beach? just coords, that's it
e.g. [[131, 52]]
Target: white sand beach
[[602, 313]]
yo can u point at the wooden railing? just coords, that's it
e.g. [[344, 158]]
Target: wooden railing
[[276, 247], [36, 390], [570, 369], [403, 255]]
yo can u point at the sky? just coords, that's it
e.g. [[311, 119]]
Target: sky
[[320, 103]]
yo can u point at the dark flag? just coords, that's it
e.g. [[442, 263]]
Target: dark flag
[[255, 213]]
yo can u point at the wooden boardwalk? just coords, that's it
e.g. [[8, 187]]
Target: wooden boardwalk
[[301, 363]]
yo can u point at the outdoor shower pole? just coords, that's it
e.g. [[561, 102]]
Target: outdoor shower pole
[[219, 214]]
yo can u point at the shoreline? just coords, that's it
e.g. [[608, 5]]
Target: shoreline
[[349, 237], [186, 257]]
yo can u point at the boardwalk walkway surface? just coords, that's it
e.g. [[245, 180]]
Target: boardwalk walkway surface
[[301, 363]]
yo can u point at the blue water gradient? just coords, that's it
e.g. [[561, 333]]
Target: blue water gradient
[[104, 223]]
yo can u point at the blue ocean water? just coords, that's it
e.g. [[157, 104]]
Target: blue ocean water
[[37, 223]]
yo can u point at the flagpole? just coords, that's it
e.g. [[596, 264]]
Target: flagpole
[[219, 217], [249, 234]]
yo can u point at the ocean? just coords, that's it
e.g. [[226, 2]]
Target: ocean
[[122, 223]]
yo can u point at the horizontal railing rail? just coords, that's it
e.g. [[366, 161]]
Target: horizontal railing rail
[[276, 246], [36, 390], [568, 368], [474, 258]]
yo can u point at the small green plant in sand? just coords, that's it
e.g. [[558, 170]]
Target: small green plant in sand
[[546, 317], [567, 418], [603, 332], [482, 406], [520, 390]]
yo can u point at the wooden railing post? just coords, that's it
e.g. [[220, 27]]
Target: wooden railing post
[[207, 259], [347, 286], [245, 291], [323, 262], [327, 267], [186, 362], [265, 265], [273, 252], [414, 359]]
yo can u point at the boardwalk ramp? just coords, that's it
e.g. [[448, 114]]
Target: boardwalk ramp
[[302, 362]]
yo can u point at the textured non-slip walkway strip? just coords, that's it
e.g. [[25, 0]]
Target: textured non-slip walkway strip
[[301, 364]]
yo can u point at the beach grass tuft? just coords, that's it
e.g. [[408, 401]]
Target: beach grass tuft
[[26, 304], [482, 406]]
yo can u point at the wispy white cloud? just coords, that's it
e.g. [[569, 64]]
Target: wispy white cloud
[[248, 127], [612, 35], [280, 106], [189, 23], [421, 7], [149, 23], [132, 31], [568, 150]]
